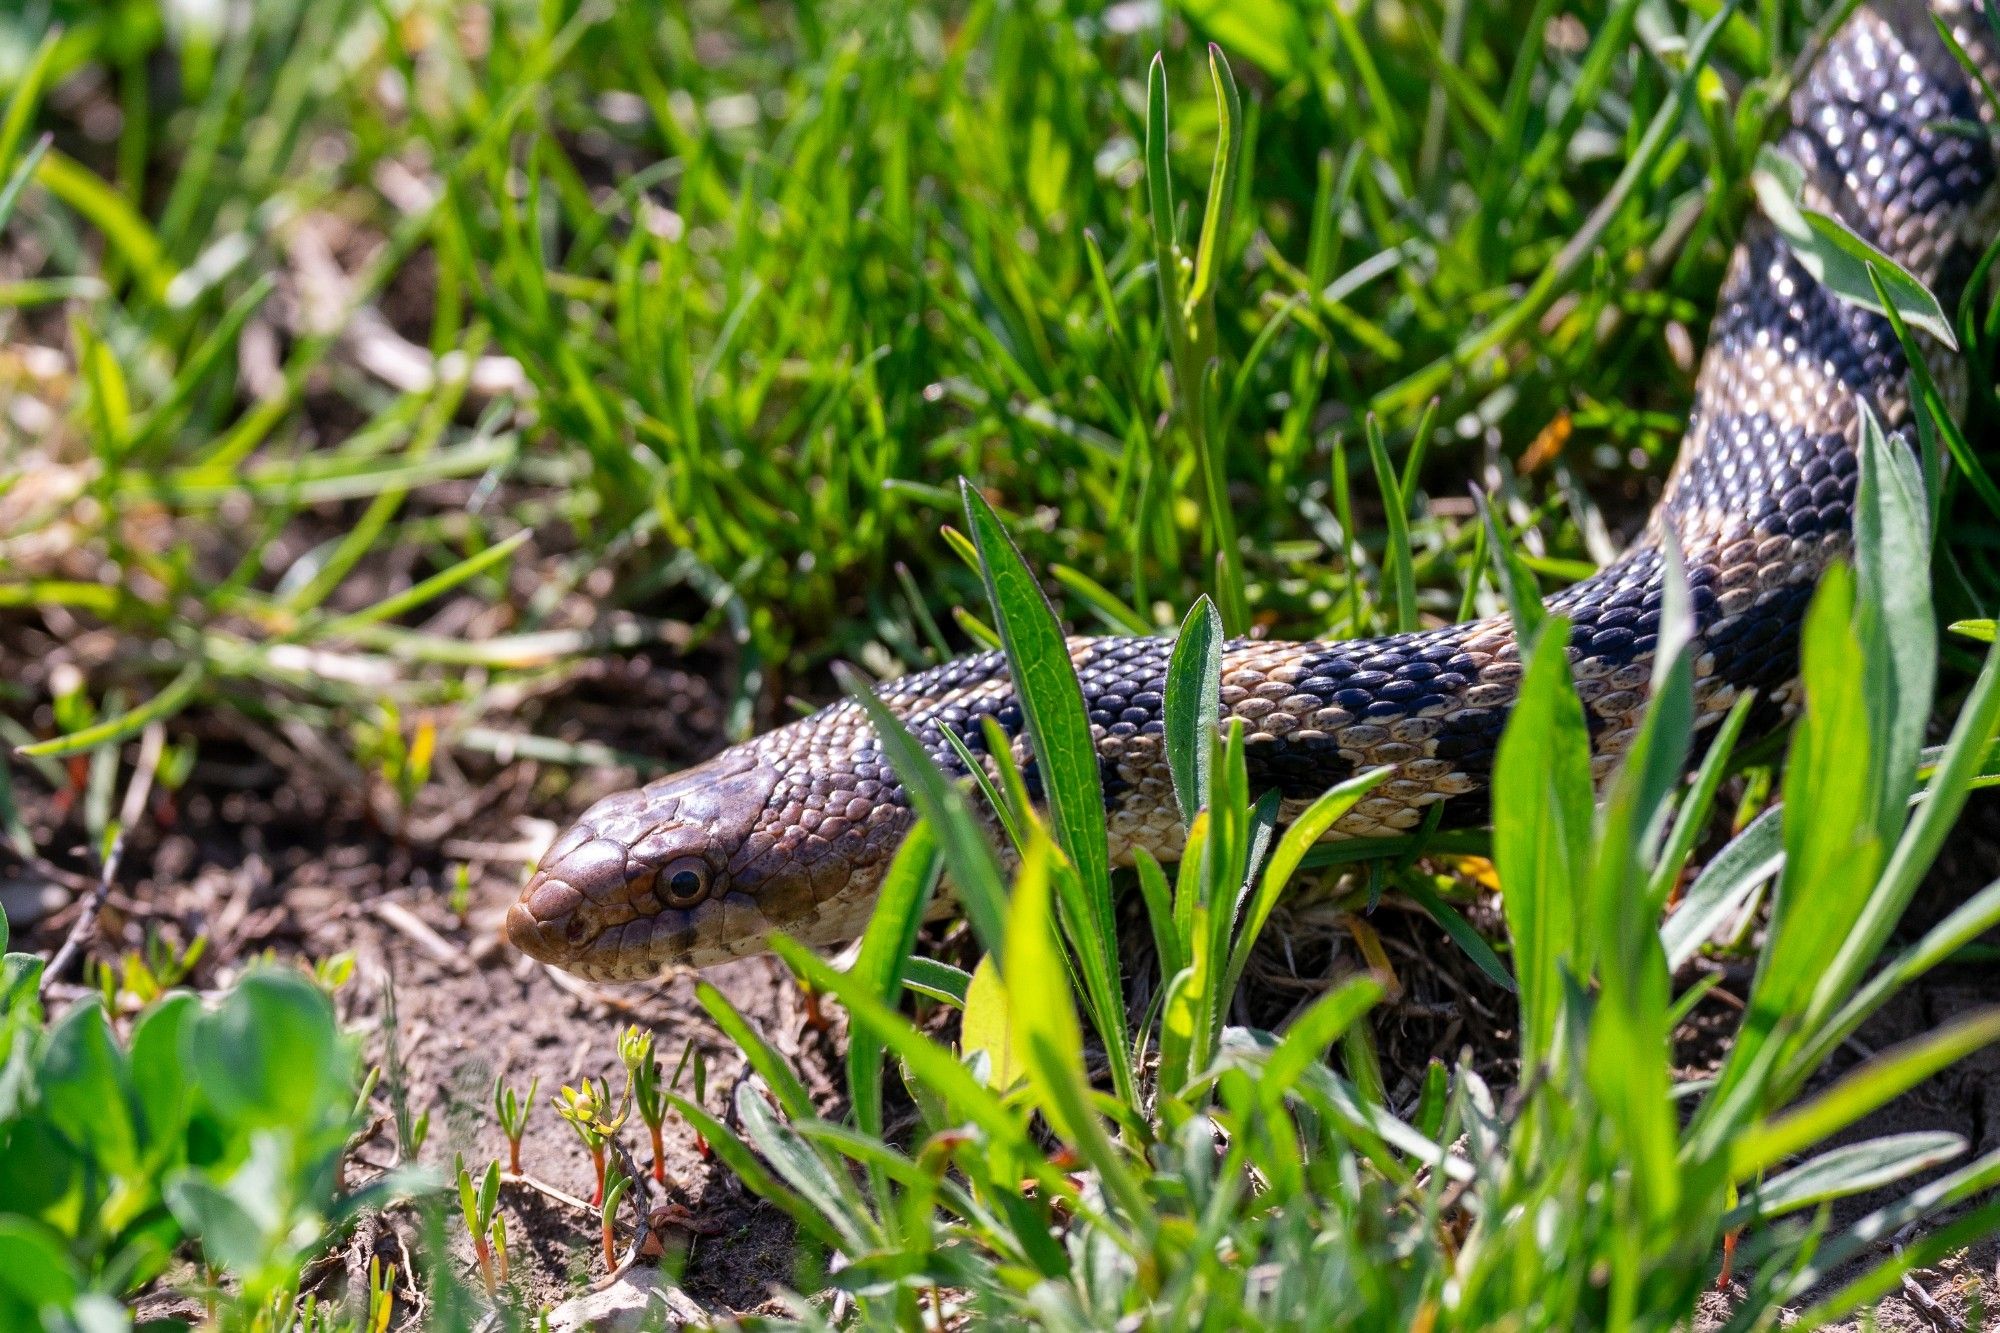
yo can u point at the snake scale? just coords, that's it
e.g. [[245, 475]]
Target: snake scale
[[792, 831]]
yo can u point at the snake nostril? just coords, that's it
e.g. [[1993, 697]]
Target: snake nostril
[[576, 929]]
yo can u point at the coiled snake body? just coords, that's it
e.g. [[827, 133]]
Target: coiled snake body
[[792, 831]]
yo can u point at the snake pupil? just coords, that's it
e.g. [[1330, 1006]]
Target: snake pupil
[[684, 885]]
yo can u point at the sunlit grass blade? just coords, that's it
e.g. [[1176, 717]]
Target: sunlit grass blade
[[1724, 885], [1397, 559], [776, 1072], [427, 589]]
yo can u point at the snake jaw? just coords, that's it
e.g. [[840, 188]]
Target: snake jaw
[[597, 905]]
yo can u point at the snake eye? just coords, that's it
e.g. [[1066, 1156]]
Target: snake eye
[[685, 882]]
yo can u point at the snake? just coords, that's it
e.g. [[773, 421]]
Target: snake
[[793, 831]]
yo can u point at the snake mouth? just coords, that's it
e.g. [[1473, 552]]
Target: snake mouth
[[642, 881]]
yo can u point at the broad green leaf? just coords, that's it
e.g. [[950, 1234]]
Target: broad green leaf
[[1835, 256], [776, 1071], [85, 1087], [931, 1065], [1963, 757], [823, 1184], [1065, 748], [988, 1026], [233, 1236], [1051, 699], [160, 1075], [34, 1270], [745, 1166], [1876, 1228], [1833, 849], [938, 981], [1039, 1005], [1936, 421], [1194, 705], [1750, 859], [1265, 32], [270, 1054]]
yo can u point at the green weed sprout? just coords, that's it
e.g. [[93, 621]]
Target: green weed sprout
[[584, 1109], [481, 1206], [512, 1113], [381, 1295], [635, 1048], [607, 1216]]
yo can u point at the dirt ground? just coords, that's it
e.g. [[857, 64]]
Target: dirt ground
[[259, 851]]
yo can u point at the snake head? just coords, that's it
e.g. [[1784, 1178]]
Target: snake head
[[644, 879]]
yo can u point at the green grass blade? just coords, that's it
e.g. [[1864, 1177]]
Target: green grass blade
[[968, 856], [1839, 1173], [1693, 814], [1398, 561], [1065, 749], [1873, 1084], [1542, 816], [428, 589], [885, 949], [775, 1070], [1306, 830], [176, 695]]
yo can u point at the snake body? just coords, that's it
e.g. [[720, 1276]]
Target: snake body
[[793, 830]]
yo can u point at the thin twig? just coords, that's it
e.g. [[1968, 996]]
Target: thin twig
[[151, 745], [544, 1188]]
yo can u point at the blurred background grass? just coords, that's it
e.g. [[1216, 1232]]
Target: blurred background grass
[[370, 364]]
